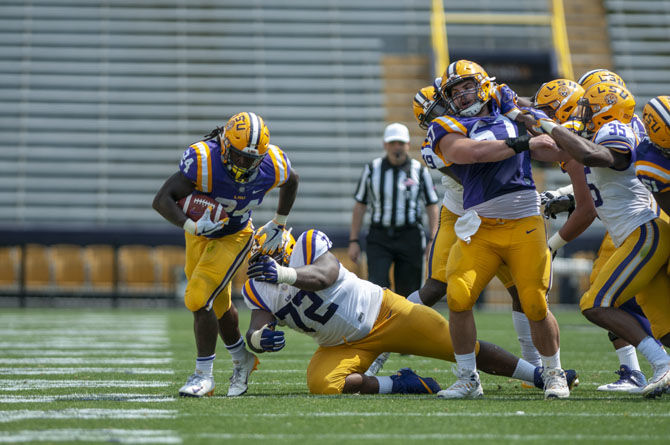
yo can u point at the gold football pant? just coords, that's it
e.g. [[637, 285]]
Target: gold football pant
[[519, 243], [636, 268], [400, 327], [444, 241], [210, 265]]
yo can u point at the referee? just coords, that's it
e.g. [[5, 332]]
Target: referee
[[396, 187]]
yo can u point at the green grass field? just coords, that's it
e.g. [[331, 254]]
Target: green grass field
[[105, 375]]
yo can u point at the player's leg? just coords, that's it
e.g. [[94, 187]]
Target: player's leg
[[629, 271], [469, 269], [529, 261], [208, 296], [338, 369], [379, 257], [521, 324], [408, 260]]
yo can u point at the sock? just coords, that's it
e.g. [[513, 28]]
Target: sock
[[524, 371], [238, 351], [466, 361], [414, 297], [653, 352], [385, 384], [628, 357], [522, 328], [552, 361], [205, 365]]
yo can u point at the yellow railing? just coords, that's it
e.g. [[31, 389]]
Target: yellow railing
[[439, 20]]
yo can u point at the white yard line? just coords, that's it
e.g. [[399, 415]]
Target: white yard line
[[21, 352], [7, 385], [91, 435], [69, 371], [84, 344], [80, 331], [111, 397], [86, 413], [456, 414], [84, 361]]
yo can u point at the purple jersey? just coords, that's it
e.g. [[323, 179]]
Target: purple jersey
[[483, 181], [651, 167], [202, 164]]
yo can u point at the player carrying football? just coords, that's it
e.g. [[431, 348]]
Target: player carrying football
[[237, 166]]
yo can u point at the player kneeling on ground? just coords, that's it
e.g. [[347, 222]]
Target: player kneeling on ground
[[353, 321]]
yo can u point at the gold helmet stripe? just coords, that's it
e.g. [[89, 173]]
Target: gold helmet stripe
[[659, 107]]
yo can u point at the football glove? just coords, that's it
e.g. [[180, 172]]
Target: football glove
[[267, 339], [548, 195], [203, 226], [559, 204], [508, 99], [273, 236], [267, 269]]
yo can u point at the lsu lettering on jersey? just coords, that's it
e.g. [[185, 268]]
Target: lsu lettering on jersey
[[483, 182], [344, 311], [622, 202], [652, 168], [201, 163]]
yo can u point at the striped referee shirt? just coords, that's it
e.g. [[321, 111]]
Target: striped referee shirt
[[394, 193]]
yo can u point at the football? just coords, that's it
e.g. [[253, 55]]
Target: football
[[195, 204]]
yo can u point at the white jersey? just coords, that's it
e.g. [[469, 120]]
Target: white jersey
[[344, 311], [453, 195], [622, 202]]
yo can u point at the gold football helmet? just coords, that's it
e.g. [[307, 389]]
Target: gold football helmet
[[656, 117], [598, 75], [558, 98], [603, 103], [427, 105], [244, 143], [461, 71], [283, 253]]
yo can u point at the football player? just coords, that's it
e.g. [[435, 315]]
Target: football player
[[427, 106], [501, 224], [306, 288], [652, 163], [641, 238], [237, 166], [559, 99]]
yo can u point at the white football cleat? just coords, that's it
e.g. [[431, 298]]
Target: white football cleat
[[241, 372], [630, 381], [378, 364], [555, 384], [197, 385], [468, 386], [659, 382]]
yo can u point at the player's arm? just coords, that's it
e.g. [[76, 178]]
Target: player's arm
[[585, 210], [261, 336], [165, 202], [287, 193], [586, 152], [460, 149], [321, 274]]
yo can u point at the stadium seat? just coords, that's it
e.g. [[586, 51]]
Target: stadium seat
[[137, 269], [38, 271], [67, 265], [169, 265], [9, 271], [99, 266]]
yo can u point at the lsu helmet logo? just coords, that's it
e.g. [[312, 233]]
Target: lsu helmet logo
[[610, 99], [563, 91]]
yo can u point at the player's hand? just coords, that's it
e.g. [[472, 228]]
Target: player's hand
[[264, 269], [205, 226], [558, 205], [543, 141], [273, 236], [508, 99], [268, 339], [546, 196]]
